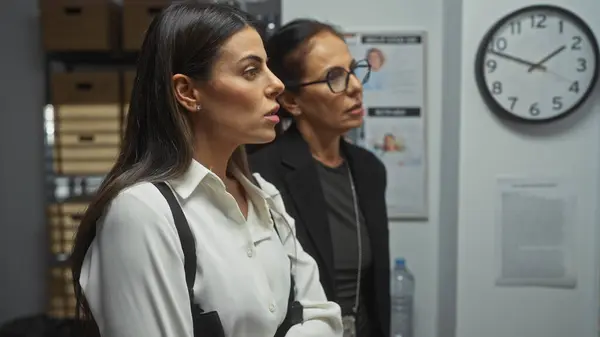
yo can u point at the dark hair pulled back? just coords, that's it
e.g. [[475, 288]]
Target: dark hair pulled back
[[287, 49]]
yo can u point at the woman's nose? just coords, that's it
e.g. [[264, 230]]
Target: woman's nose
[[276, 87]]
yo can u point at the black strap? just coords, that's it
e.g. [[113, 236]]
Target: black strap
[[186, 237]]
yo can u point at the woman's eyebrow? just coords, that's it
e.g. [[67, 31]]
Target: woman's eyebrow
[[330, 68], [252, 57]]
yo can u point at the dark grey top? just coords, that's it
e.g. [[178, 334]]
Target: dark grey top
[[342, 222]]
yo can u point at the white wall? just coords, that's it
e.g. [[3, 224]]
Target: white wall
[[489, 148], [465, 157], [416, 241]]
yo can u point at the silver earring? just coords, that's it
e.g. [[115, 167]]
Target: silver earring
[[198, 107]]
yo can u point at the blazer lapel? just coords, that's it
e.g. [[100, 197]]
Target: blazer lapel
[[305, 189]]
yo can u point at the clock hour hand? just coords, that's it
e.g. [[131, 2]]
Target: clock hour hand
[[517, 59], [545, 59]]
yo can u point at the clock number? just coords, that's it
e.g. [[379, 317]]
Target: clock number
[[533, 109], [557, 103], [515, 27], [582, 65], [499, 44], [561, 26], [497, 88], [538, 21], [513, 101], [577, 43], [574, 87], [491, 64]]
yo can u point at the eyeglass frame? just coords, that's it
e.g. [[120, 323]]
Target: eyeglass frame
[[364, 63]]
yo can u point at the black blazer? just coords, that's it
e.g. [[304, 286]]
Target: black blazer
[[288, 164]]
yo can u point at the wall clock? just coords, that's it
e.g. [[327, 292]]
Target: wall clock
[[537, 64]]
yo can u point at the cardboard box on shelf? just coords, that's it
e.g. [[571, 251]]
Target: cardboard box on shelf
[[77, 25], [87, 122], [129, 78], [86, 147], [137, 15], [62, 301], [85, 87], [63, 221]]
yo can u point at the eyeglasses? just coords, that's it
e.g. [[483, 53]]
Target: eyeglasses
[[338, 78]]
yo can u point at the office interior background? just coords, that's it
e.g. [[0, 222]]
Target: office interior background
[[451, 253]]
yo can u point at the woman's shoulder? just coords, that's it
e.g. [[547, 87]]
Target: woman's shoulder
[[143, 195], [140, 203]]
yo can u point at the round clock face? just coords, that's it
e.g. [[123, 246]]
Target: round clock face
[[537, 64]]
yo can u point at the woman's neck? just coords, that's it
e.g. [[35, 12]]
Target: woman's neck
[[324, 146], [214, 155]]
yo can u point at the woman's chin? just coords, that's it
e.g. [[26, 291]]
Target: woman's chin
[[351, 124], [263, 136]]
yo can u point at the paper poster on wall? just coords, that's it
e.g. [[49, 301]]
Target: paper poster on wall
[[394, 128], [535, 233]]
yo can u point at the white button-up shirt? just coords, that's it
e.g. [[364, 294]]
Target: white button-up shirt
[[133, 275]]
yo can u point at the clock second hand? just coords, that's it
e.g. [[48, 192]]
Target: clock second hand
[[558, 75]]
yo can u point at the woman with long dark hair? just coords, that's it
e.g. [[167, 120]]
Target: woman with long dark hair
[[333, 189], [202, 90]]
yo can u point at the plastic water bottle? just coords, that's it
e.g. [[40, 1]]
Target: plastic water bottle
[[403, 292]]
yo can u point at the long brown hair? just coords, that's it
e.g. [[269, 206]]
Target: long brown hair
[[158, 144]]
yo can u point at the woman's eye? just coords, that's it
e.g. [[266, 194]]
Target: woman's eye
[[336, 74], [251, 73]]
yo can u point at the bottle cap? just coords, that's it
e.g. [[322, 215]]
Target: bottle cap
[[400, 262]]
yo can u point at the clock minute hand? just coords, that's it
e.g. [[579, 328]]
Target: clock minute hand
[[545, 59], [517, 59]]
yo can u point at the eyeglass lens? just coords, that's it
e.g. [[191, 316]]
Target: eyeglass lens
[[338, 78]]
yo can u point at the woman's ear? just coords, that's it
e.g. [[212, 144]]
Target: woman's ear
[[289, 102], [186, 92]]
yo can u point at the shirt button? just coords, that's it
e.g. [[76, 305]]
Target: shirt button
[[272, 307], [250, 252]]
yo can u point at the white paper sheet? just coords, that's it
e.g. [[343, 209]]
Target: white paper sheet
[[535, 229]]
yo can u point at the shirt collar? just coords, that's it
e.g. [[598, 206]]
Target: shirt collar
[[250, 187], [197, 174], [193, 176], [259, 198]]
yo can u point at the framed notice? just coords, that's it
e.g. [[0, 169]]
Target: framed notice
[[395, 128]]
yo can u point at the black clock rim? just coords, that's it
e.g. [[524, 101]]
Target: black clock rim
[[488, 98]]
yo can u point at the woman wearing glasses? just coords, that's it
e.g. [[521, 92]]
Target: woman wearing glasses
[[334, 190]]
